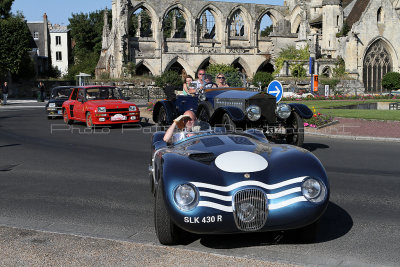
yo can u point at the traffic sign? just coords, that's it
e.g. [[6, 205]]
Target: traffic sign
[[275, 88]]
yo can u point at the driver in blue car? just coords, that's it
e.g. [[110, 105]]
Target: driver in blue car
[[189, 126]]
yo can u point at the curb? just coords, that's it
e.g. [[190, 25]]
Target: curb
[[357, 138]]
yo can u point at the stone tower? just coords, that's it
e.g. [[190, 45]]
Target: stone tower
[[332, 23]]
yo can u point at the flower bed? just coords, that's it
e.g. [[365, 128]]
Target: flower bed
[[318, 120]]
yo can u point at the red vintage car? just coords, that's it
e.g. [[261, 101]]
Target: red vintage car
[[99, 105]]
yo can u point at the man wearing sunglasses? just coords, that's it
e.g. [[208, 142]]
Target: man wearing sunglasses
[[200, 82]]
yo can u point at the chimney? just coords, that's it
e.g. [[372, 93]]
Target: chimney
[[46, 35]]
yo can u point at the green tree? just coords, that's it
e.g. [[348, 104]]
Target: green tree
[[298, 71], [391, 81], [5, 8], [290, 53], [169, 78], [267, 30], [264, 78], [232, 75], [14, 44], [86, 30]]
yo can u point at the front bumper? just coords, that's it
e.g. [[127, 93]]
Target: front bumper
[[106, 118], [54, 112], [212, 219]]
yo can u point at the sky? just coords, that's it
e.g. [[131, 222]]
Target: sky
[[58, 11]]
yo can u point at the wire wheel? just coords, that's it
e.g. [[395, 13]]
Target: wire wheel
[[295, 130]]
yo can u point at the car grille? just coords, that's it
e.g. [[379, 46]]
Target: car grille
[[228, 102], [250, 209], [118, 110]]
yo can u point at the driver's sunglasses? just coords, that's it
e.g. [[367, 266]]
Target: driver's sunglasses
[[201, 73], [187, 119], [220, 77]]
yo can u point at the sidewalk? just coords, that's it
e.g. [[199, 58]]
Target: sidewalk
[[360, 129]]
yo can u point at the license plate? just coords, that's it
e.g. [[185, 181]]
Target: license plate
[[60, 112], [118, 117]]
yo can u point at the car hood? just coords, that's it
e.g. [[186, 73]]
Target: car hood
[[242, 159], [106, 103], [233, 94]]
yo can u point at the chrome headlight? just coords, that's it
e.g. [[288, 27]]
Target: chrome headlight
[[101, 109], [186, 197], [132, 108], [313, 190], [52, 105], [253, 112], [283, 111]]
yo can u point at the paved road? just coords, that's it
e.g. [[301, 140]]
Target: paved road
[[62, 180]]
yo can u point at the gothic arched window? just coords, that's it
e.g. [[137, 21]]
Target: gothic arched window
[[377, 63], [174, 24], [237, 25], [140, 24], [207, 27]]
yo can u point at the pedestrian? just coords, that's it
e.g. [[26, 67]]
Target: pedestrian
[[4, 89], [42, 89]]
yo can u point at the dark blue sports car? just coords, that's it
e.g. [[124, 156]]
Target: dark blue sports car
[[213, 182]]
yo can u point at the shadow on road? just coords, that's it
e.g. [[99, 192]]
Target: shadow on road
[[314, 146], [335, 223], [9, 145]]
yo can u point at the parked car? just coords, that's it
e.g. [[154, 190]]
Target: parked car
[[214, 182], [99, 105], [58, 96], [239, 108]]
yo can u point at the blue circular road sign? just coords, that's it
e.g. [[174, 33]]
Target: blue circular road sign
[[275, 88]]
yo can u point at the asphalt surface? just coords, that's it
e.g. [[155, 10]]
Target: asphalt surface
[[94, 184]]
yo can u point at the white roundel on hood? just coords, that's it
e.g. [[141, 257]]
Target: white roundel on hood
[[241, 161]]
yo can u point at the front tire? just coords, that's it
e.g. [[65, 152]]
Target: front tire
[[89, 121], [66, 117], [167, 232], [295, 130], [162, 117]]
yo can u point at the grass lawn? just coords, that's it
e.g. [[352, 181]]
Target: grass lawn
[[318, 104], [371, 114], [323, 106]]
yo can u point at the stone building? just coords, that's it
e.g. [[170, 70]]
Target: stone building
[[50, 44], [187, 35]]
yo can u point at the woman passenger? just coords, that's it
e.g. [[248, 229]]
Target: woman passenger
[[220, 80], [188, 88]]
